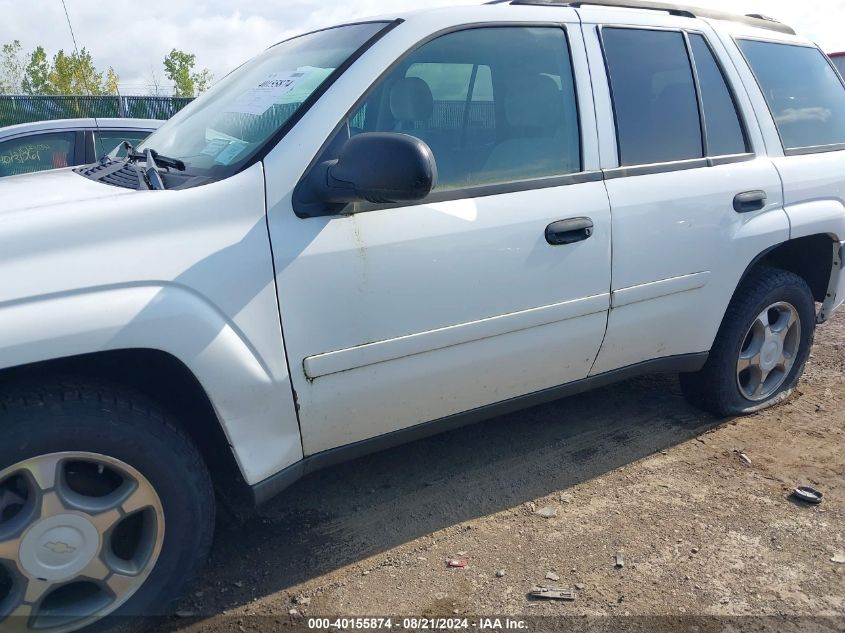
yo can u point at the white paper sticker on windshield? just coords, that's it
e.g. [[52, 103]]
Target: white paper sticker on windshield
[[267, 93], [214, 147], [227, 156]]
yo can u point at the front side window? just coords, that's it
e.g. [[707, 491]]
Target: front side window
[[495, 105], [805, 95], [105, 141], [654, 96], [220, 131], [37, 153]]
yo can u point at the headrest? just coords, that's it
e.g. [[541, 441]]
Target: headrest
[[411, 100], [534, 101]]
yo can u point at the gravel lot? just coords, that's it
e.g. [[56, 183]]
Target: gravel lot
[[629, 469]]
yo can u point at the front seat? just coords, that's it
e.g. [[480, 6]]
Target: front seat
[[537, 144], [411, 102]]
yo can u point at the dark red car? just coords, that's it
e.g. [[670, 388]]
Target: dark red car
[[839, 61]]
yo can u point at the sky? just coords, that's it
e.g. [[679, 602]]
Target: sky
[[134, 37]]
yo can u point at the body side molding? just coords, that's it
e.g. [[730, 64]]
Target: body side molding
[[391, 349], [657, 289]]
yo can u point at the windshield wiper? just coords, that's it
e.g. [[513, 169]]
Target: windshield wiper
[[151, 171], [161, 161], [152, 161]]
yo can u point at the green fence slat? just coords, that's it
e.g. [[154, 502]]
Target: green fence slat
[[27, 109]]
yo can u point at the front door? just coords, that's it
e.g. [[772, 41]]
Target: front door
[[395, 316]]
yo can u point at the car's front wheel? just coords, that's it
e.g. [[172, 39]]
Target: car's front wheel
[[106, 508], [759, 354]]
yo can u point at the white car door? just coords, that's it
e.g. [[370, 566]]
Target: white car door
[[397, 315], [694, 198]]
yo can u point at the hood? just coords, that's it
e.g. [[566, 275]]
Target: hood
[[52, 188]]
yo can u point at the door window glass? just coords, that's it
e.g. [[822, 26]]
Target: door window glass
[[805, 95], [654, 97], [37, 153], [724, 131], [107, 140], [495, 105]]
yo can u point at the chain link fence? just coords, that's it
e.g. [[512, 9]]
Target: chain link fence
[[26, 109]]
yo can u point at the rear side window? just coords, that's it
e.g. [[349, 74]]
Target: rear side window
[[107, 140], [495, 105], [654, 96], [721, 121], [37, 153], [804, 93]]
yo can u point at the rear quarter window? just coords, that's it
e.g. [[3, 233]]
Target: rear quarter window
[[804, 93]]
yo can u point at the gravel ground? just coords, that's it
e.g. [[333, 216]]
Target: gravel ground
[[630, 469]]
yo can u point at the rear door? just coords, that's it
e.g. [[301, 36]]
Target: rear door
[[395, 316], [679, 145]]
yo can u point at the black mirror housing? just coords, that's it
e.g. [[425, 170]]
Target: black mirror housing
[[376, 167]]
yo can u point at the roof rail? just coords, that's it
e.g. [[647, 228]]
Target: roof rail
[[756, 20]]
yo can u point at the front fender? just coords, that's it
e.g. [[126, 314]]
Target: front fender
[[254, 407]]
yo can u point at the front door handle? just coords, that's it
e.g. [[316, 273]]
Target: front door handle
[[569, 231], [749, 201]]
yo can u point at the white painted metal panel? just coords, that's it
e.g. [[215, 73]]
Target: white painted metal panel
[[412, 314], [89, 267], [675, 227]]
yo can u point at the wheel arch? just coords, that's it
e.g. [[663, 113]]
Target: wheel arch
[[249, 388], [164, 379], [814, 258]]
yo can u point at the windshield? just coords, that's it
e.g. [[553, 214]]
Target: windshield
[[221, 130]]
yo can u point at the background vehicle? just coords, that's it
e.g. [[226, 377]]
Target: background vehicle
[[31, 147], [378, 231], [839, 62]]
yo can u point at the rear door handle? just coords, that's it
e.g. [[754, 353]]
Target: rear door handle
[[749, 201], [569, 231]]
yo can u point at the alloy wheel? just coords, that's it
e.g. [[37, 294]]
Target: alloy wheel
[[768, 351], [79, 535]]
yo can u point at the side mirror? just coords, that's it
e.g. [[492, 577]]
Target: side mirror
[[377, 167]]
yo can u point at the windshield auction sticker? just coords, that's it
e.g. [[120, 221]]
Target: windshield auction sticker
[[268, 93], [228, 155]]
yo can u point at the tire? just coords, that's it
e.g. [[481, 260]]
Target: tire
[[148, 472], [719, 387]]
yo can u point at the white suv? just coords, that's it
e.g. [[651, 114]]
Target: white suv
[[381, 230]]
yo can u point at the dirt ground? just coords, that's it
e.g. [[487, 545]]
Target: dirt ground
[[628, 469]]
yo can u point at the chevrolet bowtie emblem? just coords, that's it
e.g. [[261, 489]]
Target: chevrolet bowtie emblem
[[59, 547]]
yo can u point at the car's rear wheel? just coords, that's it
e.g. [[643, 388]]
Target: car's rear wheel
[[106, 509], [761, 348]]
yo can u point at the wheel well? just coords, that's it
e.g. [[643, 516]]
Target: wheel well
[[166, 380], [808, 257]]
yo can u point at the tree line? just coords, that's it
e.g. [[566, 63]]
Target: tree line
[[75, 73]]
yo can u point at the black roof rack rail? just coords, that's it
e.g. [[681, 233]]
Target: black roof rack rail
[[756, 20]]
